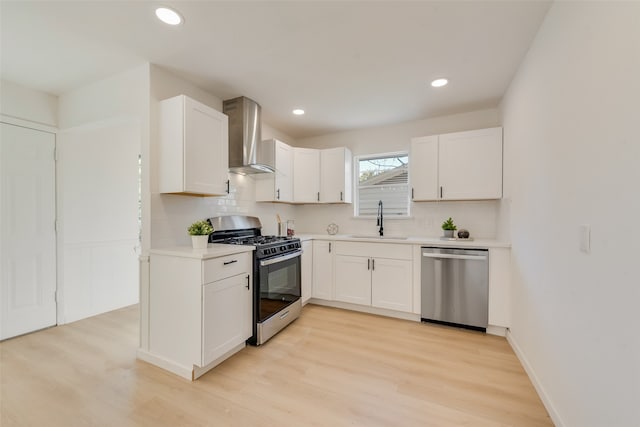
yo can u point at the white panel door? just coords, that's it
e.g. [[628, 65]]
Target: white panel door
[[306, 175], [206, 149], [335, 175], [423, 168], [306, 265], [27, 217], [353, 279], [322, 286], [284, 172], [471, 165], [226, 316], [392, 284]]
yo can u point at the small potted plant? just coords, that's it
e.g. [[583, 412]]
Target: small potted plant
[[449, 227], [199, 232]]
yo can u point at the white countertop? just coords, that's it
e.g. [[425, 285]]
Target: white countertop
[[214, 250], [428, 241]]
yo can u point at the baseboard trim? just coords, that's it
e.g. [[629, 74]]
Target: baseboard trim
[[189, 373], [500, 331], [366, 309], [168, 365], [546, 401]]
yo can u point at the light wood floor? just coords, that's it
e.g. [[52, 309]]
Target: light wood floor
[[329, 368]]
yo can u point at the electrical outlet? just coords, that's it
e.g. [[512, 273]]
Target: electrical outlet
[[585, 238]]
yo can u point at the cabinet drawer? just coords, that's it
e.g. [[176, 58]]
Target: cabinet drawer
[[374, 250], [228, 266]]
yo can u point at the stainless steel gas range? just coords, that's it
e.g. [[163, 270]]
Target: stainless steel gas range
[[276, 273]]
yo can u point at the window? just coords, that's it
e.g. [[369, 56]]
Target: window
[[382, 177]]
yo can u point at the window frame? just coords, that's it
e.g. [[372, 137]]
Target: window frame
[[356, 182]]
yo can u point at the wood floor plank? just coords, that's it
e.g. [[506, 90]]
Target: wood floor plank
[[330, 367]]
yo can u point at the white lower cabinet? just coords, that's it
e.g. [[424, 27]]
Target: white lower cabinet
[[200, 311], [391, 284], [377, 275], [306, 267], [322, 286], [353, 279], [499, 289], [226, 316]]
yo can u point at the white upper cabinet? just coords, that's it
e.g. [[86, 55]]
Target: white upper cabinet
[[194, 144], [457, 166], [335, 175], [278, 186], [306, 175], [470, 165], [423, 168]]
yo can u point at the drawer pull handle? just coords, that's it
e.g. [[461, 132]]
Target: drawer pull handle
[[230, 262]]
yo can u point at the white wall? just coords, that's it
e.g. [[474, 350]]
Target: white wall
[[102, 129], [479, 217], [23, 103], [572, 152]]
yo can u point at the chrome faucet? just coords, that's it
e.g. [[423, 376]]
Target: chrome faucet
[[380, 218]]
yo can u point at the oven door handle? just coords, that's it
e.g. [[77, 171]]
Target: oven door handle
[[280, 258]]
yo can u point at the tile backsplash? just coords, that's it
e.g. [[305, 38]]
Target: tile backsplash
[[172, 214]]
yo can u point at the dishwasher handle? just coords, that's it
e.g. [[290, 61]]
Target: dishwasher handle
[[453, 256]]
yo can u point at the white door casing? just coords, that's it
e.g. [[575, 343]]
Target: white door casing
[[27, 231]]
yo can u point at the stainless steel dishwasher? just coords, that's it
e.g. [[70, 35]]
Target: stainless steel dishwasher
[[455, 287]]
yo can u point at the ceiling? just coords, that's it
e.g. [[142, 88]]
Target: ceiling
[[349, 64]]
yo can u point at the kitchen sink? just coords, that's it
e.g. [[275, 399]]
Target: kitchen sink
[[362, 236]]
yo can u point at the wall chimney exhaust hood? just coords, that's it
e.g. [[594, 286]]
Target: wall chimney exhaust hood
[[245, 136]]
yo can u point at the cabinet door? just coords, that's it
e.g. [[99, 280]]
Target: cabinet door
[[306, 266], [206, 141], [306, 175], [226, 316], [423, 168], [391, 284], [283, 190], [335, 175], [499, 295], [322, 286], [471, 165], [353, 279]]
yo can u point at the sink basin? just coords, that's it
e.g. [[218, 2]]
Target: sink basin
[[362, 236]]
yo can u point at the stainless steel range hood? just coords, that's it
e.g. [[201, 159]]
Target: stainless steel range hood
[[245, 136]]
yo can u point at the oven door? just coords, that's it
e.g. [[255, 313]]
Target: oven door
[[279, 284]]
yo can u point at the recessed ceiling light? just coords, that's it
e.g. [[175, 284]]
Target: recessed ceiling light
[[168, 16], [439, 82], [298, 111]]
